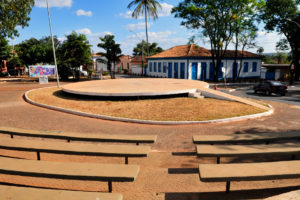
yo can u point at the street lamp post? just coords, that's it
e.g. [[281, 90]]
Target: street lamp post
[[53, 48]]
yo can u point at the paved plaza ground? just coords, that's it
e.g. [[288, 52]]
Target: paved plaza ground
[[159, 177]]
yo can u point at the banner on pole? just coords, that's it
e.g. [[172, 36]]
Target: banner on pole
[[41, 70]]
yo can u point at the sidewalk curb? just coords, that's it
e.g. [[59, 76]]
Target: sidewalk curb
[[104, 117]]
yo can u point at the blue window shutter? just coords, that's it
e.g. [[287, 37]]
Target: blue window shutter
[[164, 67], [155, 67], [159, 67], [150, 67], [254, 66], [245, 67]]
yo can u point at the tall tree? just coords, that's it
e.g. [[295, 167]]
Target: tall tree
[[74, 52], [34, 51], [113, 51], [12, 14], [244, 27], [215, 20], [284, 17], [148, 8], [140, 49], [4, 51]]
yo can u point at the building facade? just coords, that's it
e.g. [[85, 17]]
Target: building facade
[[195, 63]]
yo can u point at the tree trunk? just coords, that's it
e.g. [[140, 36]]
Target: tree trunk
[[146, 24], [235, 55], [241, 63]]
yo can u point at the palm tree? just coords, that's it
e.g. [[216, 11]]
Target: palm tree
[[149, 9]]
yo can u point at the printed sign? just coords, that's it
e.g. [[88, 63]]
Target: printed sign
[[41, 70], [43, 79]]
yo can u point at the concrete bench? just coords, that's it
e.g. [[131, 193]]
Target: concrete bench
[[79, 137], [66, 170], [245, 138], [125, 151], [25, 193], [219, 151], [249, 172]]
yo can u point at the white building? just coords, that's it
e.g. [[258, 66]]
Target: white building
[[195, 63]]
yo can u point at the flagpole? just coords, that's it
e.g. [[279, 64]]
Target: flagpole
[[54, 55]]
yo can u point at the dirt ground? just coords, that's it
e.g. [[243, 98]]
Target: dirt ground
[[163, 176]]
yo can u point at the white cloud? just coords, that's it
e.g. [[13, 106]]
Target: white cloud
[[165, 39], [84, 31], [267, 40], [81, 12], [165, 11], [138, 26], [93, 38], [53, 3]]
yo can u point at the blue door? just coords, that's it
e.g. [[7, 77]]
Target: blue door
[[176, 70], [194, 71], [270, 75], [182, 70], [220, 73], [169, 70], [203, 71], [211, 71], [235, 70]]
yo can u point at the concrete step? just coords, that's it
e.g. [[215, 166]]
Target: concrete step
[[196, 95]]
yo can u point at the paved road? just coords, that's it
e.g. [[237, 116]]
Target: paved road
[[292, 97]]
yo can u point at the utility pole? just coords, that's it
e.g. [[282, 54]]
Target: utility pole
[[53, 48]]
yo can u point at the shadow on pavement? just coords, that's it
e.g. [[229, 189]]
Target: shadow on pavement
[[233, 195]]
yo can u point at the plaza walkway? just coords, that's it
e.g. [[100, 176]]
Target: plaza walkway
[[156, 180]]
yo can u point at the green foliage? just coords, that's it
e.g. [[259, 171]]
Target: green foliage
[[113, 51], [74, 52], [34, 51], [149, 9], [141, 47], [283, 16], [14, 13], [4, 49], [217, 20]]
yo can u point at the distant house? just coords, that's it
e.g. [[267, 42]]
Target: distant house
[[124, 65], [100, 63], [275, 71], [137, 65], [195, 63]]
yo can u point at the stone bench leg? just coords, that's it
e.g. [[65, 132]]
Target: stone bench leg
[[227, 186], [109, 186]]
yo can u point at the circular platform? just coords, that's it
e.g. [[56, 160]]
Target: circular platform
[[134, 87]]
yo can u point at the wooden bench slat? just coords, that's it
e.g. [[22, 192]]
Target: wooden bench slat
[[76, 171], [25, 193], [249, 171], [244, 138], [75, 148], [247, 150], [80, 137]]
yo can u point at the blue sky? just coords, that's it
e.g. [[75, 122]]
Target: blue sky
[[95, 18]]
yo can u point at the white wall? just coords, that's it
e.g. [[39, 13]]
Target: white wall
[[136, 69], [227, 65]]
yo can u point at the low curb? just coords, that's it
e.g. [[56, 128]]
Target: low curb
[[104, 117]]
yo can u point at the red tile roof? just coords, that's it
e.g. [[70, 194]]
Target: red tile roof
[[197, 51], [138, 60]]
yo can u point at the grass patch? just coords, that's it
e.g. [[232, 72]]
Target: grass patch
[[170, 109]]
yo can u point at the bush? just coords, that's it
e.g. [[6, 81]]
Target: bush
[[64, 71], [105, 73]]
